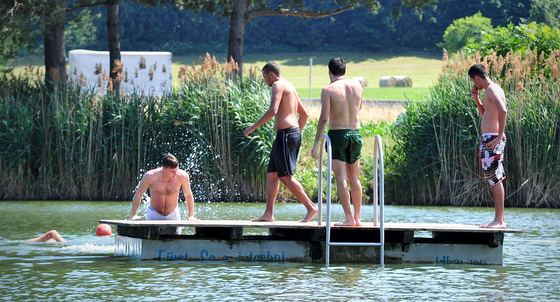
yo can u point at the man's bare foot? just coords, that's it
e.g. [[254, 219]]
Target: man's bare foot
[[310, 215], [346, 223], [494, 225], [358, 221], [263, 218]]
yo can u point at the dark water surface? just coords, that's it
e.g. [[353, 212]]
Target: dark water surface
[[86, 269]]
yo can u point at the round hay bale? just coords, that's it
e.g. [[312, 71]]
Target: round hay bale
[[362, 81], [403, 81], [388, 82]]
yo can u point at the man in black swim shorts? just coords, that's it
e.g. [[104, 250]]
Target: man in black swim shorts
[[285, 105]]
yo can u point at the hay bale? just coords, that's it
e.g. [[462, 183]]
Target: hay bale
[[362, 81], [403, 81], [388, 82]]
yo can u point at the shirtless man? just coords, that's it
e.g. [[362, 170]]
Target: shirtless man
[[284, 107], [493, 111], [341, 102], [164, 184]]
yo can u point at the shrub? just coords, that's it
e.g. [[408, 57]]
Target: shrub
[[465, 31]]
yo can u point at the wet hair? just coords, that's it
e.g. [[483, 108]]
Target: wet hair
[[271, 67], [337, 66], [169, 161], [478, 70]]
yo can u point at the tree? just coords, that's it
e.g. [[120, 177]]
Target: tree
[[546, 11], [19, 23], [242, 11], [468, 30]]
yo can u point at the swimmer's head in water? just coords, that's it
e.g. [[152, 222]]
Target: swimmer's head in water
[[103, 230], [337, 66]]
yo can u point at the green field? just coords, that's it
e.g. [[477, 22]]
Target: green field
[[423, 69]]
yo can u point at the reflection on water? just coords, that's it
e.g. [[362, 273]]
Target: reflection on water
[[86, 268]]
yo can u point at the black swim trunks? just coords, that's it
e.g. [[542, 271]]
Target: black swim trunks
[[284, 153]]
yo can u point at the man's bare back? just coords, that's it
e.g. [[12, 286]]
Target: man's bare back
[[345, 101]]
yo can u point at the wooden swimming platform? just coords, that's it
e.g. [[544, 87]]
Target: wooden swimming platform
[[292, 241]]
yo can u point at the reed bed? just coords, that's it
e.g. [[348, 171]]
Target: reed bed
[[65, 142], [435, 153]]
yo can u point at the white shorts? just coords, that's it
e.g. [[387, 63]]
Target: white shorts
[[151, 214]]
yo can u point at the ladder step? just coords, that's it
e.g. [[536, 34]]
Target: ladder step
[[354, 244]]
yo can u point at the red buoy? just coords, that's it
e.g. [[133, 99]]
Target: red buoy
[[103, 230]]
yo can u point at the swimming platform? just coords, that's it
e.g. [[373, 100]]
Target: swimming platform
[[292, 241]]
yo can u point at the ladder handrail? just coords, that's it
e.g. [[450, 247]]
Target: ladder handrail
[[377, 156]]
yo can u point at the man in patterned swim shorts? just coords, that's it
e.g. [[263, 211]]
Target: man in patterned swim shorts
[[492, 145]]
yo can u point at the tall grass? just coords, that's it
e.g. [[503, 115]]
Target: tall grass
[[66, 142], [436, 153]]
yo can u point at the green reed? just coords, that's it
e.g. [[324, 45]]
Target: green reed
[[66, 142], [436, 152]]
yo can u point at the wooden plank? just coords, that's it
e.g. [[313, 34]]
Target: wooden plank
[[434, 227]]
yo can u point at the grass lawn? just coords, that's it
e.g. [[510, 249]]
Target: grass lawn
[[423, 69]]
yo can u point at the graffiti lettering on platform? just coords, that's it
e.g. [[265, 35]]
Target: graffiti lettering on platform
[[165, 255], [446, 260]]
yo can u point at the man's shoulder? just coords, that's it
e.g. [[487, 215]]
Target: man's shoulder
[[182, 174], [495, 91]]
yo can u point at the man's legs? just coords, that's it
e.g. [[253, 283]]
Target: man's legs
[[339, 168], [499, 196], [297, 189], [272, 187], [353, 171]]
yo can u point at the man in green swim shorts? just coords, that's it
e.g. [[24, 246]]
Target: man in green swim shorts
[[341, 102]]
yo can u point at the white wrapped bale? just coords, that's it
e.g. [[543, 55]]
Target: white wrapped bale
[[362, 81], [388, 81], [403, 81]]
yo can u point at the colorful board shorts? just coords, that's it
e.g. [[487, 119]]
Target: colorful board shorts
[[151, 214], [346, 145], [284, 153], [491, 160]]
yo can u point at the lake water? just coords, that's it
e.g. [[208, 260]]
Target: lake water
[[86, 268]]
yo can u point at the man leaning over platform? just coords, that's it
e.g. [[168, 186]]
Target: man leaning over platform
[[164, 183]]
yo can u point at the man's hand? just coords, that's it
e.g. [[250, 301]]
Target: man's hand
[[192, 218], [135, 217], [248, 131], [474, 92], [493, 143], [314, 151]]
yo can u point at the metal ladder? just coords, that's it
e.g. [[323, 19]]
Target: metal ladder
[[377, 155]]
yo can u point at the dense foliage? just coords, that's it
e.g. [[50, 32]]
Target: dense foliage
[[357, 30], [463, 31], [436, 152], [502, 40], [75, 145]]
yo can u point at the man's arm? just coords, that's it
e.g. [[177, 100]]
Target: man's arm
[[142, 187], [475, 94], [189, 200], [323, 120], [303, 115], [276, 97]]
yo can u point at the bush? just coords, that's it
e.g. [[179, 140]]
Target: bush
[[517, 39], [465, 31]]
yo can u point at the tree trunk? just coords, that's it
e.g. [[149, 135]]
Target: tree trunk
[[113, 25], [55, 54], [237, 24]]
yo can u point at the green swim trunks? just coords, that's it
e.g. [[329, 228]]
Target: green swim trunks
[[346, 145]]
